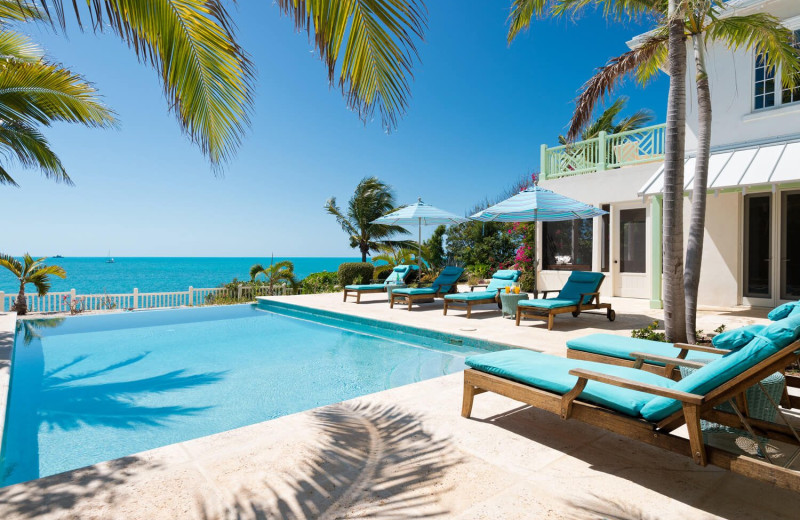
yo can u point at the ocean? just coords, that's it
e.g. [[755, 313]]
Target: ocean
[[89, 275]]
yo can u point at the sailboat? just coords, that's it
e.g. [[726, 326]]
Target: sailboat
[[110, 259]]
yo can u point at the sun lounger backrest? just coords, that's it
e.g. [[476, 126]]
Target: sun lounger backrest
[[581, 282], [503, 278], [398, 275], [784, 311], [770, 341], [447, 278]]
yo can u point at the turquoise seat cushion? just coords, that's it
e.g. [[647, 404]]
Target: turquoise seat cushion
[[551, 373], [502, 279], [783, 311], [550, 303], [581, 282], [365, 287], [470, 296], [736, 338], [414, 290], [621, 347], [773, 338]]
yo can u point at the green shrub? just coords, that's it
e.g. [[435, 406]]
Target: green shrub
[[527, 281], [355, 272], [649, 332], [322, 282]]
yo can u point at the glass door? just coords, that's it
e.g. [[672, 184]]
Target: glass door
[[757, 246], [633, 234], [790, 245]]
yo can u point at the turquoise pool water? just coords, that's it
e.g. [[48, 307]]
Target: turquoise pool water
[[91, 388]]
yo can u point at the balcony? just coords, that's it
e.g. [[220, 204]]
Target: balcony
[[604, 152]]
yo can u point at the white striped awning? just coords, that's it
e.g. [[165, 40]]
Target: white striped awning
[[755, 165]]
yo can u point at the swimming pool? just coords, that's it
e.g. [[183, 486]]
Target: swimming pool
[[86, 389]]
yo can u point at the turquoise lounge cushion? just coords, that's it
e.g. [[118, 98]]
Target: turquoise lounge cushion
[[398, 274], [552, 373], [784, 311], [365, 287], [620, 347], [736, 338], [447, 278], [581, 282], [550, 303], [414, 290], [773, 338], [502, 279], [470, 296]]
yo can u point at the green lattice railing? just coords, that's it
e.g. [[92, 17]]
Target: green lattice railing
[[604, 152]]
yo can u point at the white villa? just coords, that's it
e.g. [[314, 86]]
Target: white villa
[[752, 243]]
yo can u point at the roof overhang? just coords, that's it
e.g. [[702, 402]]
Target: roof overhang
[[755, 165]]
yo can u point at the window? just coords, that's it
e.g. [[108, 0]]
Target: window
[[605, 245], [767, 80], [567, 245], [633, 234], [792, 95]]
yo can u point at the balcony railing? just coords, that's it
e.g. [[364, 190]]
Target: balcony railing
[[604, 152]]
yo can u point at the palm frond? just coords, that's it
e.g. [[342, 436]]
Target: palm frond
[[648, 52], [522, 13], [617, 9], [634, 121], [763, 33], [19, 47], [31, 149], [379, 39], [41, 93], [256, 270], [207, 77], [20, 11], [11, 263]]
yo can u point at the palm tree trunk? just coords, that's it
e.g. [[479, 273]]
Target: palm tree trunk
[[364, 251], [21, 305], [674, 299], [694, 249]]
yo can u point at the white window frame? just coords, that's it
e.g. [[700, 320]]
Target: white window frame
[[793, 24]]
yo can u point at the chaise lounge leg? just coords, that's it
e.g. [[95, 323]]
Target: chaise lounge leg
[[344, 299], [469, 310], [550, 318], [358, 297], [692, 415], [469, 397], [445, 307], [519, 315], [410, 300], [391, 302]]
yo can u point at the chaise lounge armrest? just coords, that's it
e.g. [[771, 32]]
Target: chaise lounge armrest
[[545, 293], [582, 300], [697, 348], [585, 375], [641, 357]]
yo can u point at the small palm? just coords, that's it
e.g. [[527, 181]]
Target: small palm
[[30, 271]]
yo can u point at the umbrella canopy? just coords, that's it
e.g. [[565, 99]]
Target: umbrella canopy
[[537, 204], [420, 214]]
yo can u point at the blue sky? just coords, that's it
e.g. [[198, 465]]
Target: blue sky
[[478, 114]]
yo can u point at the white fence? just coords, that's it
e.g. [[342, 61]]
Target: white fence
[[65, 301]]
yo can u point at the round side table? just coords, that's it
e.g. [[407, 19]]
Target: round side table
[[392, 287], [509, 302]]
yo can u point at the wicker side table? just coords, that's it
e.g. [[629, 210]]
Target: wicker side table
[[509, 302]]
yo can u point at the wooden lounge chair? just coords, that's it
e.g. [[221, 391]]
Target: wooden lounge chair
[[397, 276], [500, 280], [647, 407], [446, 282], [579, 294]]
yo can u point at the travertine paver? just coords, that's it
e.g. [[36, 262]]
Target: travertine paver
[[406, 452]]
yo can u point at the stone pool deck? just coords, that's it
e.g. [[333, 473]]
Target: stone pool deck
[[406, 452]]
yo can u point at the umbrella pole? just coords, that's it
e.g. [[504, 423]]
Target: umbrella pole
[[419, 250]]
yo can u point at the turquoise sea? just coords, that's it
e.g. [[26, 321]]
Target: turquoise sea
[[90, 275]]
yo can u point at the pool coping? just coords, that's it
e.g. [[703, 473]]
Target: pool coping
[[8, 322]]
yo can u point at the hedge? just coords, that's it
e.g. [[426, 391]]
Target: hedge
[[355, 272]]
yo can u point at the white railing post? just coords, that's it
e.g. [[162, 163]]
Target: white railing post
[[191, 296], [239, 293], [543, 162], [602, 142], [2, 301], [135, 298]]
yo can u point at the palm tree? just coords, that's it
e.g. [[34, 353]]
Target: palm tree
[[392, 256], [607, 121], [35, 93], [372, 199], [703, 22], [276, 273], [31, 271], [208, 78]]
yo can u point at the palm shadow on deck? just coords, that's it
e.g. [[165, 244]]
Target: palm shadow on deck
[[376, 460]]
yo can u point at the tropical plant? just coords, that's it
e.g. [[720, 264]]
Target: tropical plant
[[322, 282], [35, 93], [392, 256], [607, 121], [30, 271], [703, 21], [276, 273], [355, 272], [436, 254], [372, 199]]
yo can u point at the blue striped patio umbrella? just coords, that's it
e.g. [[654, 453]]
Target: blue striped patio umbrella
[[537, 204], [420, 214]]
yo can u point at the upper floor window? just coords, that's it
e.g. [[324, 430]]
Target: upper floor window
[[767, 81]]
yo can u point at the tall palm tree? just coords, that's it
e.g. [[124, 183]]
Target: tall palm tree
[[607, 121], [208, 78], [703, 22], [372, 199], [31, 271], [275, 273], [35, 93]]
